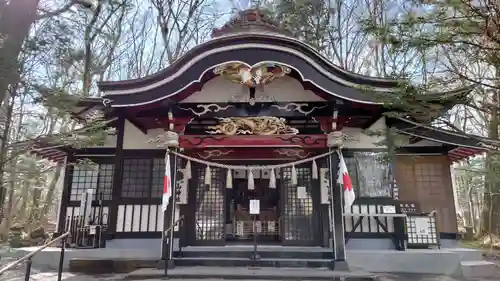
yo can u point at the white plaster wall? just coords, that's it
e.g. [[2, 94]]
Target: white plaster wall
[[358, 139], [134, 138], [110, 141], [221, 90]]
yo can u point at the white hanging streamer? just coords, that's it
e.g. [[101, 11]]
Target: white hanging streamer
[[272, 179], [294, 176], [229, 179], [251, 184], [188, 170], [315, 174], [208, 176]]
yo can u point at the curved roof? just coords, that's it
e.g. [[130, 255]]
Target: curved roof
[[240, 41]]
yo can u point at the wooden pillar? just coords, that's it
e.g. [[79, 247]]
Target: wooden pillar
[[65, 196], [117, 175], [337, 211], [335, 141]]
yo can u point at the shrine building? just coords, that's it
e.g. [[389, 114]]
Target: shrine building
[[255, 114]]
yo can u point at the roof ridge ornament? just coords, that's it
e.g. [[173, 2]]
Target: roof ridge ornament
[[250, 20]]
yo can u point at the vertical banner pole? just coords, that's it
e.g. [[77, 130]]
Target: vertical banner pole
[[332, 173], [167, 241], [174, 202]]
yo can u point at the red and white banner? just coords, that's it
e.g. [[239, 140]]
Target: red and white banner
[[345, 180], [167, 184]]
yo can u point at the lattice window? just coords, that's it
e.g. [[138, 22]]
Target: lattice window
[[136, 178], [98, 177], [157, 178], [105, 184], [350, 163], [370, 174]]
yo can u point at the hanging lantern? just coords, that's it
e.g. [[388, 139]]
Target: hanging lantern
[[251, 184], [272, 179], [229, 179], [315, 174], [208, 176]]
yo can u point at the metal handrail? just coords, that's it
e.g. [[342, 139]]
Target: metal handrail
[[174, 224], [30, 255]]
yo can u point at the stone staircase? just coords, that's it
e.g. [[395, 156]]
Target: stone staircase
[[474, 266], [306, 263], [268, 256]]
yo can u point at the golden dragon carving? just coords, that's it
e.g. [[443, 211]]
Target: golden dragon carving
[[264, 126]]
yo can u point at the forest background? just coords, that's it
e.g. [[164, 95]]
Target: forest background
[[53, 52]]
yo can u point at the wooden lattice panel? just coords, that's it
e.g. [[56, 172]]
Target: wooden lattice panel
[[427, 180], [421, 231], [297, 216], [209, 215]]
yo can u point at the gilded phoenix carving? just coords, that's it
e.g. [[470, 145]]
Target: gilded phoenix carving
[[265, 126]]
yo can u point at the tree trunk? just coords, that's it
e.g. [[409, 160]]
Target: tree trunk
[[3, 155], [9, 212], [490, 215], [23, 209], [42, 216], [15, 25]]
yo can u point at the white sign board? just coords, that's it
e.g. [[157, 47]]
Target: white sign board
[[86, 205], [301, 192], [422, 226], [389, 209], [254, 207], [92, 230]]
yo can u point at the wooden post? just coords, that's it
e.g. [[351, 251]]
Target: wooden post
[[337, 209], [117, 175]]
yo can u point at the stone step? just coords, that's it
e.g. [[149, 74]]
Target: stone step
[[468, 254], [268, 253], [104, 266], [250, 273], [479, 269], [262, 262]]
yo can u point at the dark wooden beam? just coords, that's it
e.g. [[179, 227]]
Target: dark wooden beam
[[267, 153], [284, 141], [212, 110]]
